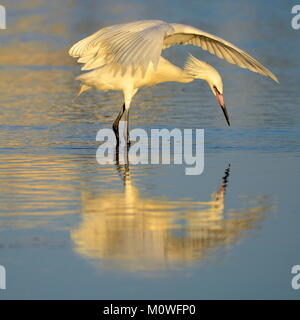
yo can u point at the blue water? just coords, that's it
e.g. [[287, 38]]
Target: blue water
[[73, 229]]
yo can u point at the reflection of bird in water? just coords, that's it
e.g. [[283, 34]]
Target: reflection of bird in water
[[126, 57], [134, 231]]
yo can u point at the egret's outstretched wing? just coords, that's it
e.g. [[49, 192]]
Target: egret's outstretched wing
[[138, 43], [185, 35], [133, 44]]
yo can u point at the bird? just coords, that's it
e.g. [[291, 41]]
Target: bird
[[128, 56]]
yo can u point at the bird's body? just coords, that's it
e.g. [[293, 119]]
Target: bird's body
[[127, 57], [103, 79]]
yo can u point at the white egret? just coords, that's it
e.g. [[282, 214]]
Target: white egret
[[127, 57]]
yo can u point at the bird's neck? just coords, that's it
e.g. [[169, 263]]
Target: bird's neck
[[185, 77], [180, 75], [167, 71]]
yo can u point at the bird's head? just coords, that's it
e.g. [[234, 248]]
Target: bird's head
[[217, 89], [202, 70]]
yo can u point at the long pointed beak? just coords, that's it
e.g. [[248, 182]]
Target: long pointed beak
[[220, 99]]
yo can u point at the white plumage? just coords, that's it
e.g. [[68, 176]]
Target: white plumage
[[128, 56]]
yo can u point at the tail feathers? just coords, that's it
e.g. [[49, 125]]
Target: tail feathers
[[88, 80], [83, 88]]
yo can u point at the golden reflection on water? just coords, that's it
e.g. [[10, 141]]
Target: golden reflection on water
[[133, 231], [127, 229], [39, 186]]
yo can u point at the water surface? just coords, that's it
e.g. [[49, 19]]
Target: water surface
[[71, 228]]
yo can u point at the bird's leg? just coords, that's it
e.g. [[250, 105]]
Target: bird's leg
[[123, 128], [124, 116], [116, 123], [126, 128], [122, 122]]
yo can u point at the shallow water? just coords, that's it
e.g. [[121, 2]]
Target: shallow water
[[71, 228]]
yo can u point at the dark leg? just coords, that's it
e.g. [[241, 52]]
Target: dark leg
[[116, 123], [126, 129], [124, 117]]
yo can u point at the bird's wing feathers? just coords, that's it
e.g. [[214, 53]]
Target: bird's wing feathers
[[138, 43], [133, 44], [185, 35]]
